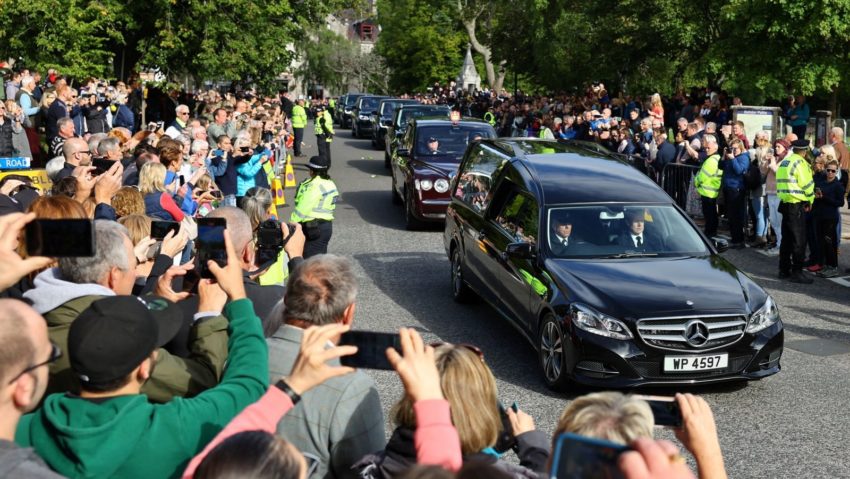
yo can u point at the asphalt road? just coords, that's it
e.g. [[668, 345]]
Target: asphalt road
[[793, 424]]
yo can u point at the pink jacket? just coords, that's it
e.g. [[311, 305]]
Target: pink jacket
[[436, 439]]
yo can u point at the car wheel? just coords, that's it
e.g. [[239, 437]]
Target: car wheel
[[410, 221], [552, 344], [461, 292]]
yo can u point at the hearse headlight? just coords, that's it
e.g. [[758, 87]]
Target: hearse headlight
[[592, 321], [765, 317], [426, 185], [363, 117], [441, 185]]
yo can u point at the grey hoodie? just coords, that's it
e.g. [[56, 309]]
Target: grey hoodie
[[22, 463], [51, 291]]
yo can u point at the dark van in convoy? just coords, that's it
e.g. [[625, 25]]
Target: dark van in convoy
[[600, 270]]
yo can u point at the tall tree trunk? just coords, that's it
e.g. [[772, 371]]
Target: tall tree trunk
[[500, 78], [483, 50]]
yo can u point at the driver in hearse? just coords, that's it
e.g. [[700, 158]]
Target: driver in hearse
[[638, 238]]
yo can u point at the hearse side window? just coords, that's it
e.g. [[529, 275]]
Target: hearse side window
[[519, 217], [475, 182]]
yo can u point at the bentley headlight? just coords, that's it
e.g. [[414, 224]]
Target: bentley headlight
[[426, 185], [765, 317], [441, 185], [592, 321]]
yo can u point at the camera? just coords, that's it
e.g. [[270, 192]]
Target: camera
[[270, 241]]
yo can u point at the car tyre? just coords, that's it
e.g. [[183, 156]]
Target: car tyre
[[410, 222], [552, 343], [461, 292]]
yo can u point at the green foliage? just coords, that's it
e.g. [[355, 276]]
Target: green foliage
[[72, 36], [221, 39], [420, 42]]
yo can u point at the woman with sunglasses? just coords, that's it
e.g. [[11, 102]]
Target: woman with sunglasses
[[829, 196]]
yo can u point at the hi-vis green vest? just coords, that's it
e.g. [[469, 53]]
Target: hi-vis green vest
[[315, 199], [329, 126], [331, 103], [490, 118], [708, 179], [794, 182], [299, 117]]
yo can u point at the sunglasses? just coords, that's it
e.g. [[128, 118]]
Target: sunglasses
[[831, 171], [55, 354], [478, 352]]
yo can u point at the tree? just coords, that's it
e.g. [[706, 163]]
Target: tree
[[334, 61], [419, 42], [73, 37], [224, 39], [473, 13]]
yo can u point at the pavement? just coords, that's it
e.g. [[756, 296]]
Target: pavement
[[792, 424]]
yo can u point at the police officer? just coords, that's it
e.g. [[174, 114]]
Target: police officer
[[707, 183], [795, 188], [315, 201], [299, 121], [324, 128], [332, 106], [490, 117]]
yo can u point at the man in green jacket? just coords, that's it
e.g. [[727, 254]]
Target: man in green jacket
[[110, 429], [707, 183], [62, 294]]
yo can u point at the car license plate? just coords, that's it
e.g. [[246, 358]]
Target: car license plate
[[695, 363]]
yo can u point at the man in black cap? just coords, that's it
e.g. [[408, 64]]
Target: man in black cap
[[315, 201], [433, 146], [110, 429], [795, 188]]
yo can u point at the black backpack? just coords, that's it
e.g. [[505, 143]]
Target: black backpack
[[753, 177]]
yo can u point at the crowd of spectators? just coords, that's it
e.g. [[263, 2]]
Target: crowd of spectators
[[119, 365]]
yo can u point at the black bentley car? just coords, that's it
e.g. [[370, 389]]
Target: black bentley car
[[601, 271]]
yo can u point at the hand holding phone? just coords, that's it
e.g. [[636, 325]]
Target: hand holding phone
[[210, 245], [665, 410], [698, 432], [12, 266], [159, 229], [311, 367]]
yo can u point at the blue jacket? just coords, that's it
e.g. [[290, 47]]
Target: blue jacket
[[827, 206], [734, 171], [246, 172], [123, 118], [226, 181]]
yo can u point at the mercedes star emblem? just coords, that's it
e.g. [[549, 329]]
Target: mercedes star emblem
[[696, 334]]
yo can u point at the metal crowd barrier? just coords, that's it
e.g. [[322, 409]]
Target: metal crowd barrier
[[676, 180]]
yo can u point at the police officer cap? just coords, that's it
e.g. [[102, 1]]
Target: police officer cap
[[802, 143], [318, 163], [431, 139]]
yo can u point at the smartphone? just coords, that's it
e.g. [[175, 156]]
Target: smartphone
[[371, 349], [218, 152], [160, 229], [210, 244], [579, 457], [60, 238], [217, 194], [102, 164], [506, 440], [665, 410], [159, 125]]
